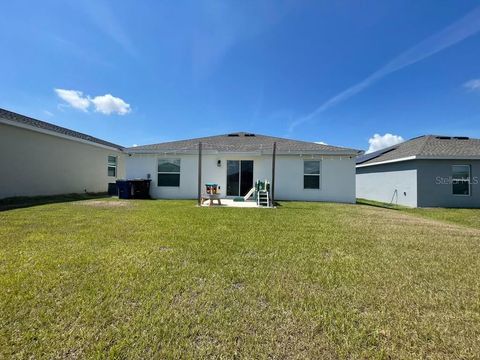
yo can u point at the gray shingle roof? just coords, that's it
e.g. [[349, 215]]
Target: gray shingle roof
[[242, 142], [427, 146], [25, 120]]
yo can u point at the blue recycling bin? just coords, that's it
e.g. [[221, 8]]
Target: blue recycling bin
[[124, 189]]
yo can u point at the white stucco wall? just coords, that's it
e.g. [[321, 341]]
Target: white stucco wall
[[397, 187], [337, 178], [34, 163]]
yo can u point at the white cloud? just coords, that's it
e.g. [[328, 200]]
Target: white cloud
[[321, 143], [458, 31], [378, 141], [108, 104], [473, 85], [74, 98]]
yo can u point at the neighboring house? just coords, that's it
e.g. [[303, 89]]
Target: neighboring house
[[303, 170], [427, 171], [39, 158]]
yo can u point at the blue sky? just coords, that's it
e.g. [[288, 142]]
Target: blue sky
[[139, 72]]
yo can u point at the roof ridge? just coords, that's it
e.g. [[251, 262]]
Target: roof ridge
[[427, 138]]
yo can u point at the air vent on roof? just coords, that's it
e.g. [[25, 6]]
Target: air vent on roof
[[443, 137], [461, 137], [247, 134], [233, 135]]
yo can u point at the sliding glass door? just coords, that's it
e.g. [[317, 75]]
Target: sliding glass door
[[239, 177], [246, 176], [233, 177]]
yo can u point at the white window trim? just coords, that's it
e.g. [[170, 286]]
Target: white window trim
[[170, 172], [469, 180], [319, 175], [112, 165]]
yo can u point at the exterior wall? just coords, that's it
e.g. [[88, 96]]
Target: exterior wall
[[33, 164], [144, 166], [337, 178], [390, 183], [434, 189]]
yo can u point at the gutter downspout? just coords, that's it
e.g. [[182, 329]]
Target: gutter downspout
[[273, 173], [199, 199]]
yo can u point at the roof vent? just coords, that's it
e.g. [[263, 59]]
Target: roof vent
[[443, 137], [233, 135], [461, 138], [248, 134]]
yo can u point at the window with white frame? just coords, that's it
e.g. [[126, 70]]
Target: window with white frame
[[112, 166], [311, 174], [461, 179], [168, 172]]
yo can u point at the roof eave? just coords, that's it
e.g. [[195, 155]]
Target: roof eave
[[407, 158], [422, 157], [346, 152]]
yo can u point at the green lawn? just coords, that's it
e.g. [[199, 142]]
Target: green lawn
[[165, 279], [465, 217]]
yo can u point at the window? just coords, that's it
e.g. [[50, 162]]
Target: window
[[168, 172], [112, 166], [461, 179], [311, 174]]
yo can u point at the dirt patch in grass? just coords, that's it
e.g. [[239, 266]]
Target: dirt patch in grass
[[396, 219], [105, 203], [462, 217]]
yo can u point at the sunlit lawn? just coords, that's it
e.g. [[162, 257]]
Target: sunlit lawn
[[165, 279], [465, 217]]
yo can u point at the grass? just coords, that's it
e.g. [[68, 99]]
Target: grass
[[28, 201], [464, 217], [166, 279], [381, 204]]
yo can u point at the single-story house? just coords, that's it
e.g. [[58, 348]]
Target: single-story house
[[39, 158], [304, 171], [427, 171]]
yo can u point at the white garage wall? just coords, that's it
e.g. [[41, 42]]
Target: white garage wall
[[337, 179], [34, 163]]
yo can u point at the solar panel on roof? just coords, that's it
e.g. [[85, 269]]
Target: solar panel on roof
[[373, 155]]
